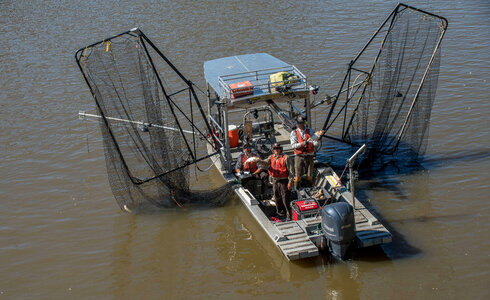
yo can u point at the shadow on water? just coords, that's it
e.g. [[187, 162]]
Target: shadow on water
[[383, 173], [435, 161], [380, 166], [400, 248]]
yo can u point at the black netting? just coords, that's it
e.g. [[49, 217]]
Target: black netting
[[148, 125], [382, 108]]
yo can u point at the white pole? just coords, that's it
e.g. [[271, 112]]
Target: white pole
[[82, 115], [351, 180]]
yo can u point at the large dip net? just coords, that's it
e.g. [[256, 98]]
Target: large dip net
[[386, 98], [153, 127]]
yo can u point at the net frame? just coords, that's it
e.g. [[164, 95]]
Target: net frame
[[151, 168], [415, 115]]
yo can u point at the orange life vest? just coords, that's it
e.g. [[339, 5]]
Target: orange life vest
[[278, 167], [304, 149], [248, 166]]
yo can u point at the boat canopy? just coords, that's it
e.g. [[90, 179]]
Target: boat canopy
[[256, 68]]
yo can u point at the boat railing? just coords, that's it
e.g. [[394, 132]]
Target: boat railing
[[260, 80], [219, 128]]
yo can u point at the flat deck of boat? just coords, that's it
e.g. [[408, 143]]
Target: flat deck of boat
[[369, 230], [292, 237], [295, 243]]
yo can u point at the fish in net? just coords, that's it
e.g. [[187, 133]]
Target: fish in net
[[153, 127], [386, 98]]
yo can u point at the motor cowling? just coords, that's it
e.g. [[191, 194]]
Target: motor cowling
[[338, 225]]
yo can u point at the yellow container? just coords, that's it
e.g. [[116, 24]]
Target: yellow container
[[282, 78]]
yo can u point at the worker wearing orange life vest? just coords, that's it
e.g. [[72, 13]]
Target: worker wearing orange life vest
[[282, 173], [303, 141], [242, 165], [251, 167]]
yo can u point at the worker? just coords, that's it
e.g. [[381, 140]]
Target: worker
[[242, 165], [303, 141], [281, 172]]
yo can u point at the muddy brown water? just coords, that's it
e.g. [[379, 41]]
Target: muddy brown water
[[62, 235]]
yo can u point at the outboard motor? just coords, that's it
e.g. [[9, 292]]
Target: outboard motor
[[338, 227]]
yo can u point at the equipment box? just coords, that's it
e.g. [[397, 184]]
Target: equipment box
[[283, 79], [241, 89], [304, 209]]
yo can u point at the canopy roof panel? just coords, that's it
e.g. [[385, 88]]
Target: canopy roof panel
[[255, 68]]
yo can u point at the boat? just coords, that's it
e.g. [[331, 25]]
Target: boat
[[269, 113], [154, 127]]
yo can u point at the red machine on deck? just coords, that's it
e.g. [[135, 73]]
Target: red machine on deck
[[305, 209]]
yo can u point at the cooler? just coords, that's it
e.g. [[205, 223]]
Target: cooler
[[304, 209], [241, 89], [233, 135]]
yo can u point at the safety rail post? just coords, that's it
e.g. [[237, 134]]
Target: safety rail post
[[226, 147], [351, 176]]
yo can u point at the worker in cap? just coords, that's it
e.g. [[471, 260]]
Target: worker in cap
[[303, 141]]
